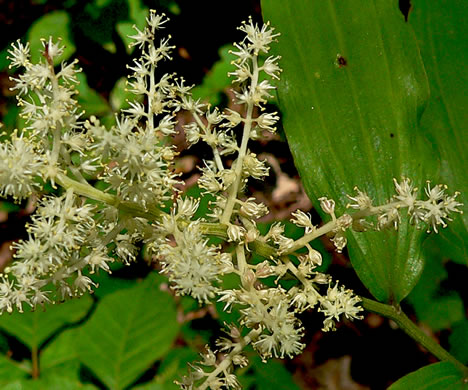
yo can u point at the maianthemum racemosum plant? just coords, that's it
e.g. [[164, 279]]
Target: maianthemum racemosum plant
[[85, 228]]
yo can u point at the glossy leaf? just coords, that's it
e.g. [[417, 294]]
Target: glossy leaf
[[33, 328], [129, 331], [352, 89], [441, 30], [437, 376]]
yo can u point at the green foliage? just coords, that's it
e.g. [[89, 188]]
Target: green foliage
[[356, 107], [459, 341], [441, 33], [217, 79], [33, 328], [91, 102], [56, 25], [128, 331], [266, 376], [134, 327], [350, 94], [437, 308], [436, 376]]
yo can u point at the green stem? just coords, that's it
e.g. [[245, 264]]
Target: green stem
[[93, 193], [35, 362], [410, 328], [234, 189]]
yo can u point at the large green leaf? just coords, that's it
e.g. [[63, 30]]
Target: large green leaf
[[437, 376], [129, 331], [33, 328], [55, 24], [441, 30], [10, 370], [351, 94], [60, 355], [52, 383]]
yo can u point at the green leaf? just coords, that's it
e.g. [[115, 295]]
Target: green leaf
[[89, 99], [458, 341], [175, 366], [437, 376], [52, 383], [119, 96], [351, 92], [33, 328], [433, 305], [217, 79], [267, 376], [137, 15], [128, 332], [441, 30], [9, 371], [152, 386], [60, 353], [56, 25]]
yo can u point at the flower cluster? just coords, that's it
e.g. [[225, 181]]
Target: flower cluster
[[432, 212], [114, 196]]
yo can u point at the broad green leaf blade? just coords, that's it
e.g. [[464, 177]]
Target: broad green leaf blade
[[33, 328], [441, 30], [458, 341], [352, 89], [55, 24], [437, 376], [9, 371], [128, 332], [60, 352], [52, 383]]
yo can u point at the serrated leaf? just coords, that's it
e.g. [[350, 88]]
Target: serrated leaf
[[129, 331], [56, 25], [441, 30], [437, 376], [33, 328], [352, 89]]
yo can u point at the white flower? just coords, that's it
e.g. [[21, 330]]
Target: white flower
[[259, 38], [362, 200], [19, 55]]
